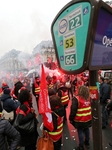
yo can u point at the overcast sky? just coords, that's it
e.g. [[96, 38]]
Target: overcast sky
[[25, 23]]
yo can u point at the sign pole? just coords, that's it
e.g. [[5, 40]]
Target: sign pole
[[96, 115]]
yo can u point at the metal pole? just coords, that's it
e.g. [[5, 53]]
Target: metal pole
[[96, 116]]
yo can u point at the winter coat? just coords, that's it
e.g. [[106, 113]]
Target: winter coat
[[8, 103], [28, 138], [105, 91], [73, 112], [7, 130]]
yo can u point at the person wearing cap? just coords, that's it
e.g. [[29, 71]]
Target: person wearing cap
[[7, 130], [106, 80], [4, 85]]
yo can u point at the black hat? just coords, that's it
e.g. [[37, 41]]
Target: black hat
[[7, 91]]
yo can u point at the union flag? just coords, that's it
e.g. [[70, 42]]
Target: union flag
[[44, 104]]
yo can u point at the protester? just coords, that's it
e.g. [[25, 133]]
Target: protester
[[8, 103], [105, 92], [8, 131], [62, 92], [50, 84], [80, 116], [109, 107], [36, 88], [26, 83], [55, 83], [4, 85], [17, 85], [57, 115], [28, 140]]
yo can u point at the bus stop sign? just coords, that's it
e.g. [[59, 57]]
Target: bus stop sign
[[69, 33]]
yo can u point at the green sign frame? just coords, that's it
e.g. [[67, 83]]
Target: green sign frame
[[70, 33]]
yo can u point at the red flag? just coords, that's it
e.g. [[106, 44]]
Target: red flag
[[44, 104]]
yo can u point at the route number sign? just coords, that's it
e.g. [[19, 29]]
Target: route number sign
[[70, 59], [69, 43], [75, 22], [69, 31]]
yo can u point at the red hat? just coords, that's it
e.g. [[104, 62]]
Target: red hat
[[4, 84]]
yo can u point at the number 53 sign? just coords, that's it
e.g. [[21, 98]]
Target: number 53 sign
[[70, 33]]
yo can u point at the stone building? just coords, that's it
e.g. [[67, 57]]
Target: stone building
[[14, 62]]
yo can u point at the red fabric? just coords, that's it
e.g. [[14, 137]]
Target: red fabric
[[4, 84], [58, 132], [44, 104], [37, 88], [65, 97], [12, 93], [18, 110], [1, 91], [85, 113]]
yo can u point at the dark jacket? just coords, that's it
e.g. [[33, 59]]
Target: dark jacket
[[64, 89], [7, 130], [105, 91], [28, 138], [73, 112], [18, 85], [8, 103]]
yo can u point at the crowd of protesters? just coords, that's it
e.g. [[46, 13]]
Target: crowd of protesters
[[17, 96]]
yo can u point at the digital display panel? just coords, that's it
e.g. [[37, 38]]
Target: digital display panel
[[102, 49]]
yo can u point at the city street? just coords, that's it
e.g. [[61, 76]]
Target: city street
[[70, 139]]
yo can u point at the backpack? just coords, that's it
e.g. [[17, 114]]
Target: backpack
[[7, 115]]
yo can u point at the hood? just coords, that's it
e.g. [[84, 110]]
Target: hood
[[5, 97]]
